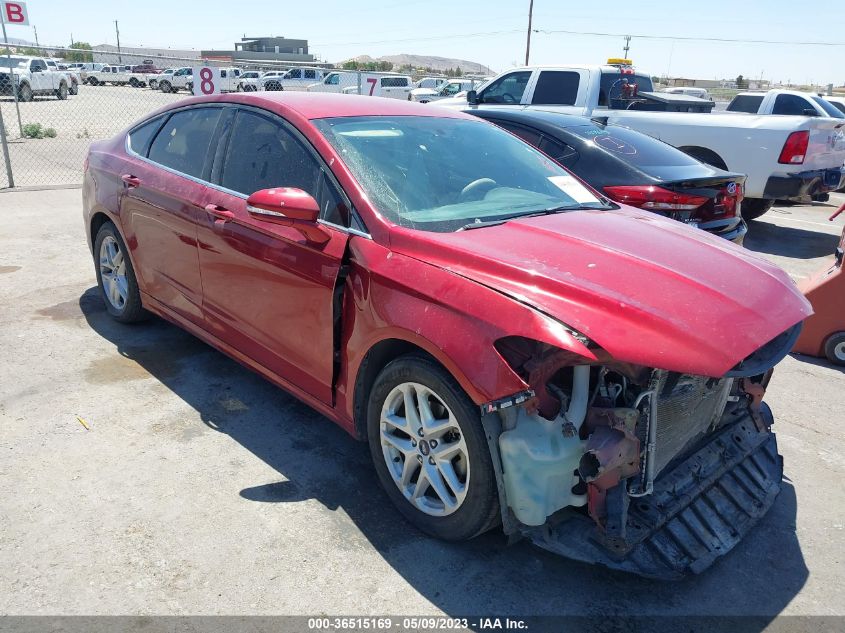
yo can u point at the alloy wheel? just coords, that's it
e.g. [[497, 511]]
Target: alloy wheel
[[424, 449], [113, 273]]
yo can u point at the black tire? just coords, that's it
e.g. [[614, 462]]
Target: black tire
[[753, 208], [74, 88], [834, 348], [274, 86], [165, 86], [92, 81], [25, 92], [133, 82], [153, 84], [62, 92], [132, 311], [189, 86], [479, 510]]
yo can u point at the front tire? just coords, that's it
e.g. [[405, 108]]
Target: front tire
[[430, 451], [116, 277], [61, 93], [753, 208], [834, 348], [165, 86], [25, 92], [74, 88]]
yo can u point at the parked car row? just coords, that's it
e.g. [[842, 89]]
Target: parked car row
[[518, 347], [782, 157]]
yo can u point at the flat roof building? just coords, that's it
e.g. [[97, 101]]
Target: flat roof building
[[278, 49]]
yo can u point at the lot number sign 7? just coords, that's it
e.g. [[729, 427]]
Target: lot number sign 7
[[14, 13], [206, 80]]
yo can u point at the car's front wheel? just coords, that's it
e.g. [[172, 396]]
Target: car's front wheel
[[116, 277], [430, 451]]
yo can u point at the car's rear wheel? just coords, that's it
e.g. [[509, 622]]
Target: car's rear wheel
[[61, 93], [430, 451], [153, 84], [116, 277], [165, 86], [753, 208], [92, 81], [74, 88], [834, 348], [133, 82]]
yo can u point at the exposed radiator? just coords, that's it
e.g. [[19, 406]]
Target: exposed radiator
[[687, 406]]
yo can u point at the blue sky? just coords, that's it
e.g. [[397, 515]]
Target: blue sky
[[486, 32]]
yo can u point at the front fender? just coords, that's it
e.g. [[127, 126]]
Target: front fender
[[454, 319]]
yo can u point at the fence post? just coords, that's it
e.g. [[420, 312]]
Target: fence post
[[359, 84], [6, 155]]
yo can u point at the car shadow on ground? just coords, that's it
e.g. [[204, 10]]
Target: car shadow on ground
[[817, 361], [788, 241], [317, 460]]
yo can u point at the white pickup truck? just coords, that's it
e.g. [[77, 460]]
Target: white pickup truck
[[784, 102], [230, 80], [388, 85], [180, 78], [30, 77], [293, 79], [446, 90], [116, 76], [784, 157]]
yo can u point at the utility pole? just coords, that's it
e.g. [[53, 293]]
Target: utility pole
[[117, 32], [528, 42], [627, 46], [35, 29]]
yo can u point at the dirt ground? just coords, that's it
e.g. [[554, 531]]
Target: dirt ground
[[142, 472]]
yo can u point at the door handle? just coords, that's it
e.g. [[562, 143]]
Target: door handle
[[130, 180], [218, 212]]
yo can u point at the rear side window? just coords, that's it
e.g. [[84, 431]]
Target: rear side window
[[746, 103], [828, 107], [140, 137], [633, 147], [184, 141], [611, 85], [791, 104], [394, 82], [839, 106], [507, 89], [563, 153], [555, 87]]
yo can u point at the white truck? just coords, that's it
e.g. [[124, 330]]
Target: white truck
[[230, 80], [179, 79], [249, 80], [30, 77], [153, 79], [784, 157], [335, 82], [451, 88], [784, 102], [116, 76], [73, 76], [293, 79], [389, 85]]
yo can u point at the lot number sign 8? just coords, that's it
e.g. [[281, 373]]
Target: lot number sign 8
[[206, 80]]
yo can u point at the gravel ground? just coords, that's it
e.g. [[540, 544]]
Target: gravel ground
[[195, 487]]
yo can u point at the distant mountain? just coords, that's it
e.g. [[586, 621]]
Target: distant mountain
[[16, 41], [429, 61]]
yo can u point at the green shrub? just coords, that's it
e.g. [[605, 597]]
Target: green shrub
[[50, 132], [33, 130]]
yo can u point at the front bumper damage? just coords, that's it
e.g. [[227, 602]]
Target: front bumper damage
[[698, 510], [661, 487]]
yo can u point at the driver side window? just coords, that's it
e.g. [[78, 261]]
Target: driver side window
[[508, 89]]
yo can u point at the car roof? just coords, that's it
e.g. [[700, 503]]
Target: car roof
[[311, 105], [534, 115]]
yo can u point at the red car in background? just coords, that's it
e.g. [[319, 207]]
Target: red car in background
[[514, 349]]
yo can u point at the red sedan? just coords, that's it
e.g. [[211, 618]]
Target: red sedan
[[515, 348]]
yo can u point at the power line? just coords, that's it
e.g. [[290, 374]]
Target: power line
[[422, 39], [691, 39]]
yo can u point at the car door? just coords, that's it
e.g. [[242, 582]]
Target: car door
[[164, 198], [267, 291], [40, 77]]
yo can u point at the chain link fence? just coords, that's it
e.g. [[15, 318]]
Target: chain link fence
[[48, 128]]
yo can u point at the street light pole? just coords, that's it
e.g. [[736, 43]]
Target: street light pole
[[528, 42]]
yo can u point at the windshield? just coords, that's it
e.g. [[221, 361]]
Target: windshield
[[442, 174], [829, 108], [13, 62]]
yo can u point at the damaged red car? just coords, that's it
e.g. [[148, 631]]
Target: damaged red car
[[516, 349]]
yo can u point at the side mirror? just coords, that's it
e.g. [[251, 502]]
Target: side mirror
[[472, 97], [288, 206]]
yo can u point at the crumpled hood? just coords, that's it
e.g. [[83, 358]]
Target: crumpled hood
[[648, 290]]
